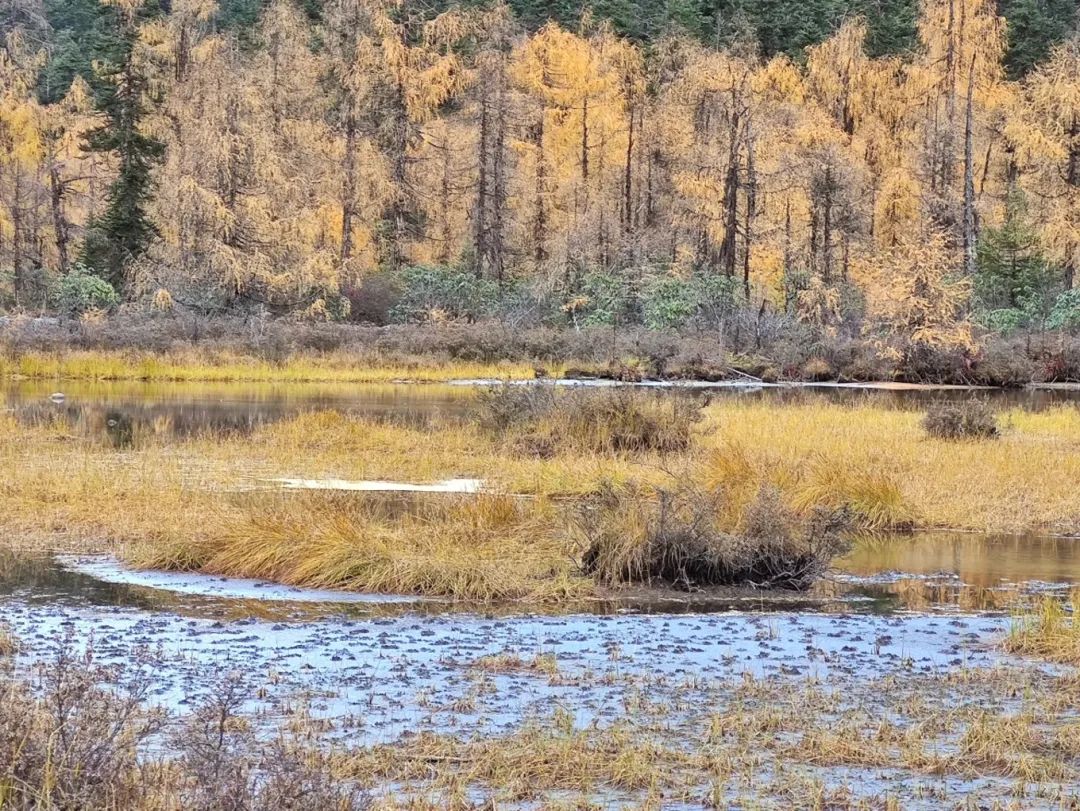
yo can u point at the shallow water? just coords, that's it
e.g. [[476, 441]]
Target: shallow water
[[375, 665], [121, 410], [930, 572], [372, 671]]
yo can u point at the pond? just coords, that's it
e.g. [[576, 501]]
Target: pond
[[191, 408]]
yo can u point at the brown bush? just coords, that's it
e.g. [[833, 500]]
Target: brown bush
[[971, 419], [80, 743], [542, 419], [676, 537]]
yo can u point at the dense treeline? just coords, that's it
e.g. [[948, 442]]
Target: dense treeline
[[907, 171]]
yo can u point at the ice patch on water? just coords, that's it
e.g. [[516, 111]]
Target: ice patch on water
[[372, 486], [110, 570]]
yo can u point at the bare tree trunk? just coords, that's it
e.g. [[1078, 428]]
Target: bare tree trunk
[[446, 236], [348, 189], [496, 230], [60, 225], [17, 236], [398, 208], [1072, 177], [480, 217], [788, 251], [751, 205], [585, 143], [731, 202], [969, 177], [826, 227], [540, 219], [628, 175]]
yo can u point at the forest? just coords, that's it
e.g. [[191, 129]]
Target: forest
[[902, 171]]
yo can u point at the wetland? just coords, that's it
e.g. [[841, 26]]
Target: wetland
[[443, 654]]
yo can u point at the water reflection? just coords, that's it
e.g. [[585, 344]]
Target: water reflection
[[971, 572], [122, 412], [922, 573]]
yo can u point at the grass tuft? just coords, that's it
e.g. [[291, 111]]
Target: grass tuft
[[1050, 632], [679, 537], [541, 421]]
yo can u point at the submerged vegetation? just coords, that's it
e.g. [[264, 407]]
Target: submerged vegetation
[[77, 734]]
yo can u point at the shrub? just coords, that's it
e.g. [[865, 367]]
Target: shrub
[[669, 302], [374, 299], [675, 537], [81, 290], [83, 737], [1066, 311], [972, 419], [817, 370], [542, 420], [444, 293]]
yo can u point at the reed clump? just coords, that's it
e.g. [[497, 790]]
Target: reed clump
[[1050, 631], [971, 419], [679, 537], [542, 420]]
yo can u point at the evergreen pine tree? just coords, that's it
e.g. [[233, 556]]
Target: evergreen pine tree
[[124, 230], [1035, 26], [1014, 283]]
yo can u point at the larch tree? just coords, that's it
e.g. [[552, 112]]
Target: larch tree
[[493, 122], [22, 152], [577, 147], [920, 301], [1049, 135]]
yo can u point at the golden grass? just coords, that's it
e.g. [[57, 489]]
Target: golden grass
[[1050, 632], [534, 760], [485, 547], [883, 464], [203, 366], [179, 502]]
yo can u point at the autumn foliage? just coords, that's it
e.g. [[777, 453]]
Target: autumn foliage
[[312, 153]]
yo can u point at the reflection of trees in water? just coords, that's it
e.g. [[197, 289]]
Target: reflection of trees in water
[[986, 561], [124, 422]]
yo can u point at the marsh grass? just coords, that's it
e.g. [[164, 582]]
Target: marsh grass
[[543, 663], [180, 502], [973, 419], [1050, 631], [485, 547], [209, 366]]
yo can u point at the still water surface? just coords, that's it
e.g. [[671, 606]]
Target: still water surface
[[190, 408]]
